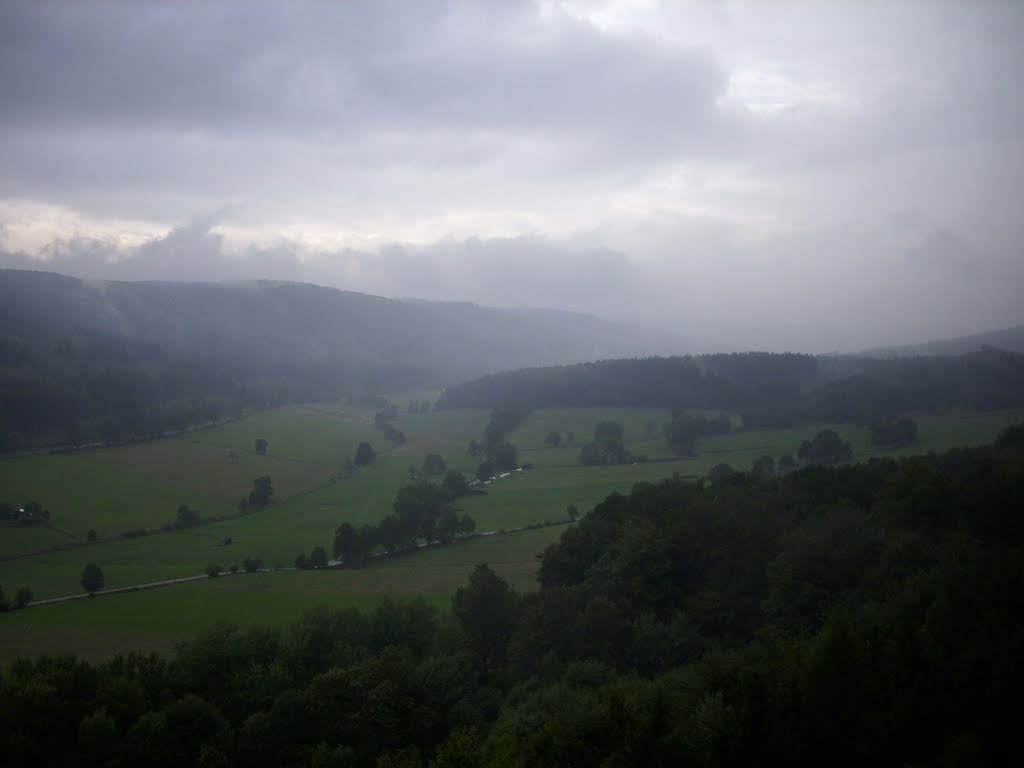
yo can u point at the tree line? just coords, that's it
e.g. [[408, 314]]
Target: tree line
[[99, 388], [422, 512], [767, 390], [497, 452], [841, 615]]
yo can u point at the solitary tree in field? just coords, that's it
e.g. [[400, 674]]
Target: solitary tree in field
[[186, 518], [553, 439], [92, 578], [260, 446], [364, 454], [262, 490]]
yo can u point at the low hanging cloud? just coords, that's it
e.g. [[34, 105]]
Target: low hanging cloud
[[737, 170], [788, 292]]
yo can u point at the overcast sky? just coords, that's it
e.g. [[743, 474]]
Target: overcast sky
[[788, 175]]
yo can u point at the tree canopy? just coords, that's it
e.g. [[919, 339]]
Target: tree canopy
[[364, 454], [92, 579], [262, 491]]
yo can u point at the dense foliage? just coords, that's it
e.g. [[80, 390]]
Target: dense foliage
[[423, 513], [766, 389], [838, 615], [607, 447], [685, 429], [103, 361]]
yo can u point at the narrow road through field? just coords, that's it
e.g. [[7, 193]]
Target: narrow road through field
[[332, 564], [118, 590]]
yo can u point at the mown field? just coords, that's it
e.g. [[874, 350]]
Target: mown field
[[140, 487]]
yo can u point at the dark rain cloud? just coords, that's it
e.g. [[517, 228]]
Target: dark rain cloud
[[611, 168]]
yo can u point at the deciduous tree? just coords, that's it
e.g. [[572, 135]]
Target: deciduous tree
[[262, 490], [92, 579]]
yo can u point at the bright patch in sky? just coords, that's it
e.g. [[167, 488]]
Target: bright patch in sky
[[735, 169]]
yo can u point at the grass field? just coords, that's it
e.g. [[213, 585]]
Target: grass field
[[158, 619], [15, 539], [141, 486]]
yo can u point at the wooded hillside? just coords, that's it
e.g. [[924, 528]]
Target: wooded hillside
[[102, 360]]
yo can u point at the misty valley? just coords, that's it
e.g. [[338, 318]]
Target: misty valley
[[277, 524], [511, 383]]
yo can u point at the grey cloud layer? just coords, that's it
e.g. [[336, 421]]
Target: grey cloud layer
[[890, 178], [332, 71], [814, 290], [172, 110]]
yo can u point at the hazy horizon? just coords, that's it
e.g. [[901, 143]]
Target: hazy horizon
[[803, 176]]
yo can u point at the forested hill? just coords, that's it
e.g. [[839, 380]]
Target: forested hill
[[276, 322], [776, 389], [1011, 339], [73, 350], [841, 616]]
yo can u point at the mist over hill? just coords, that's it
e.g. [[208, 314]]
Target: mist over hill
[[76, 351], [293, 323], [766, 389], [1011, 339]]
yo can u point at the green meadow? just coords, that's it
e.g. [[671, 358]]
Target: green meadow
[[140, 486], [159, 619]]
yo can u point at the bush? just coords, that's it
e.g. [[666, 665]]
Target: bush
[[186, 518], [23, 597], [364, 454], [434, 464], [213, 571]]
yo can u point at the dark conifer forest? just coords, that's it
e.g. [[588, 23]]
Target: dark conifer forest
[[766, 389], [848, 615]]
